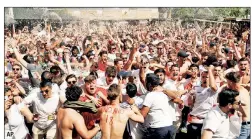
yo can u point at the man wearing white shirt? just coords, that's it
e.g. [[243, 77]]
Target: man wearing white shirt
[[203, 98], [109, 77], [45, 104], [216, 123], [156, 111]]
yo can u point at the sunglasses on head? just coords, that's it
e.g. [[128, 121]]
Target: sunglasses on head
[[46, 91], [71, 82], [15, 69]]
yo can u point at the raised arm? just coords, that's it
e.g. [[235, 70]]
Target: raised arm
[[18, 56], [212, 82], [131, 57]]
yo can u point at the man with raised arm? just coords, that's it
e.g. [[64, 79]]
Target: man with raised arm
[[70, 123], [113, 118]]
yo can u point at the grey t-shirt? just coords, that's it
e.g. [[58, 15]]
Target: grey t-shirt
[[32, 69]]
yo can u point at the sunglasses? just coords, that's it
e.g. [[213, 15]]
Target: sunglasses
[[15, 69], [124, 58], [113, 76], [159, 48], [7, 83], [71, 82], [46, 91]]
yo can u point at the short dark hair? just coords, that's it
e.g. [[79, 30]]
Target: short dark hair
[[152, 80], [210, 60], [22, 49], [45, 84], [113, 91], [243, 59], [231, 63], [94, 73], [75, 47], [195, 59], [89, 78], [103, 52], [227, 96], [175, 65], [70, 76], [6, 89], [159, 70], [131, 90], [233, 76], [29, 59], [111, 70], [46, 76], [73, 93], [204, 54], [194, 65], [117, 60]]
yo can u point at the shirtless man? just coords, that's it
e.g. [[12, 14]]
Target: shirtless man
[[69, 121], [244, 73], [113, 118], [233, 80]]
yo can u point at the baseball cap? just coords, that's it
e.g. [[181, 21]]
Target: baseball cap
[[125, 73], [182, 54]]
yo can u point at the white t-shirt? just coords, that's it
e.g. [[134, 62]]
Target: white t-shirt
[[102, 81], [43, 107], [140, 87], [134, 126], [171, 85], [205, 98], [16, 122], [159, 113], [235, 126], [218, 123]]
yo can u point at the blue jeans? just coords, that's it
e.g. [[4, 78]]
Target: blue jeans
[[168, 132], [245, 132]]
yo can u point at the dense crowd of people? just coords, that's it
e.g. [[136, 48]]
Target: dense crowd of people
[[142, 81]]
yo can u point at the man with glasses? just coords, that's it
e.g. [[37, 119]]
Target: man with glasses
[[71, 80], [45, 104], [216, 123], [28, 61]]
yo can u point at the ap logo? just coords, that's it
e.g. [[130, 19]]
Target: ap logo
[[9, 134]]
